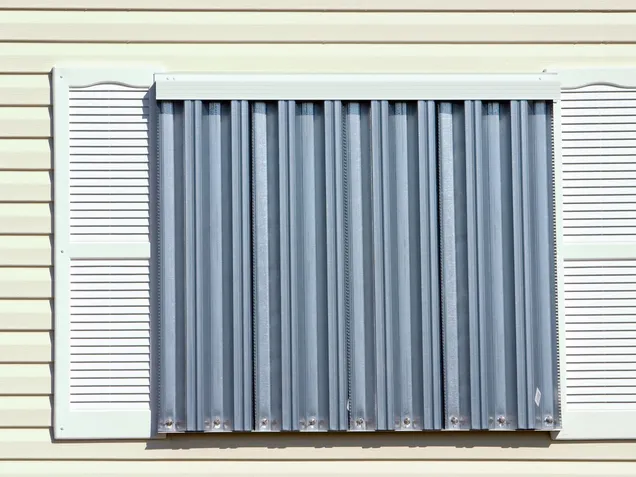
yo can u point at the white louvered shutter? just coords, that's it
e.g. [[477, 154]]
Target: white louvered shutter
[[597, 251], [102, 253]]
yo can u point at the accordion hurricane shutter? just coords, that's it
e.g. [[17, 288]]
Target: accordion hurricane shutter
[[299, 255]]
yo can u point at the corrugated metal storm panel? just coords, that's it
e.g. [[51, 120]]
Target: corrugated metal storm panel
[[300, 266], [404, 162], [498, 265], [345, 256], [204, 248]]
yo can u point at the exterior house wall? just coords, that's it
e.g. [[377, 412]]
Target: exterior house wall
[[398, 36]]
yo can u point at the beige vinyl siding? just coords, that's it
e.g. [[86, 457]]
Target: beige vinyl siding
[[27, 251], [23, 186], [27, 58], [348, 468], [33, 90], [26, 314], [31, 379], [25, 411], [326, 27], [292, 36], [31, 282], [325, 5], [32, 154], [25, 347], [30, 218], [32, 444]]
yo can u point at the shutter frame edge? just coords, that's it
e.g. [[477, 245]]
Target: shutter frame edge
[[578, 424], [68, 423]]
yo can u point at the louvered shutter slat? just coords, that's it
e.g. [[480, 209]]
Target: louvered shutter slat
[[103, 263]]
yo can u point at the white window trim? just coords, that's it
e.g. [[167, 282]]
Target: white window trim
[[356, 87], [68, 423], [593, 424]]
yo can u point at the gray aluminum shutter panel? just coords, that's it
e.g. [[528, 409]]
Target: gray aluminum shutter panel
[[346, 307], [344, 270], [498, 271], [204, 249]]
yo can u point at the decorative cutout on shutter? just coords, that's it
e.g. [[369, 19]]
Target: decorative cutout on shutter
[[597, 250], [103, 264]]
